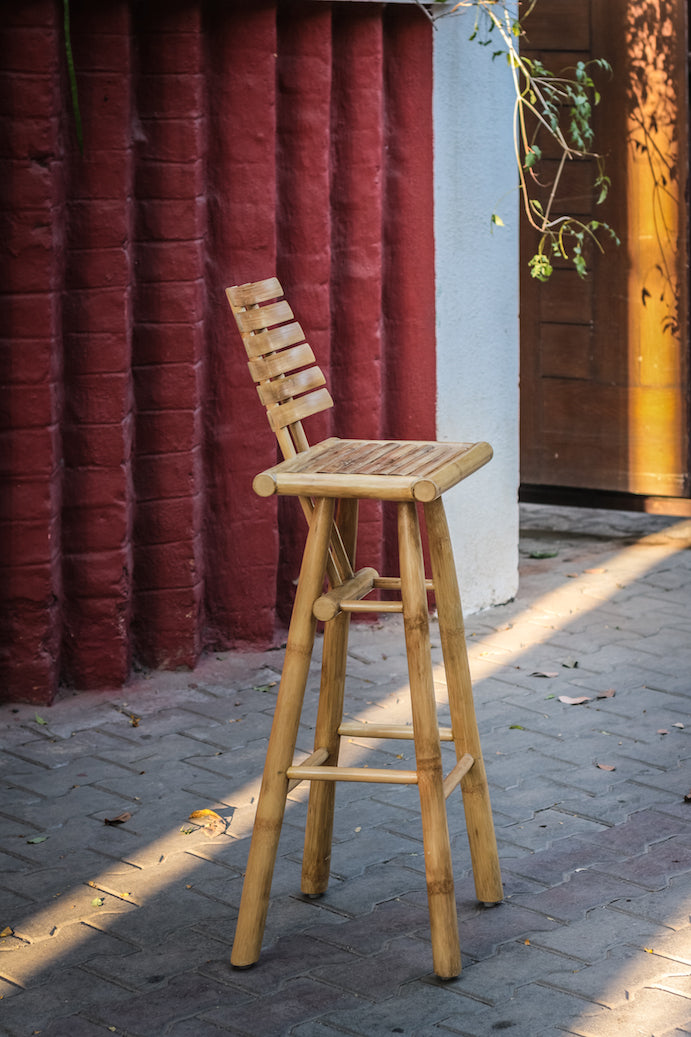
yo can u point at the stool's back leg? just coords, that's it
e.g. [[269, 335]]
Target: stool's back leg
[[279, 757], [476, 803], [316, 862], [435, 831]]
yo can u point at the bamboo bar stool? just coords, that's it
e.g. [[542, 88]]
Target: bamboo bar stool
[[329, 479]]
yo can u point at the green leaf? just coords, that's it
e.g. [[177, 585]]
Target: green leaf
[[37, 839], [540, 267], [40, 720], [497, 220]]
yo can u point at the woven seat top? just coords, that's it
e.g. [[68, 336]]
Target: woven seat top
[[380, 469]]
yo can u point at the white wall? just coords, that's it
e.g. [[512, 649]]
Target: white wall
[[477, 303]]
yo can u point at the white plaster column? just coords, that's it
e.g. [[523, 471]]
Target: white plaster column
[[477, 302]]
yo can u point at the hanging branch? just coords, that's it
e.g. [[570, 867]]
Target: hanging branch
[[560, 105], [72, 75]]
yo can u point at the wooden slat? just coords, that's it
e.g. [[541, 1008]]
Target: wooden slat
[[296, 410], [261, 343], [281, 389], [263, 368], [264, 316], [254, 292]]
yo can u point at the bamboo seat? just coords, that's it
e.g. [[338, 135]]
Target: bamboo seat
[[329, 479]]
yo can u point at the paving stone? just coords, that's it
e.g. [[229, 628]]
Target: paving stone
[[653, 869], [653, 1013], [273, 1014], [533, 1010], [200, 1026], [142, 969], [67, 946], [484, 929], [668, 907], [151, 1014], [417, 1009], [75, 1026], [619, 978], [565, 856], [497, 979], [581, 892], [287, 958], [590, 938], [45, 1003]]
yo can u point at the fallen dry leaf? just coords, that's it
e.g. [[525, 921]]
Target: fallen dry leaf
[[119, 820], [215, 824], [574, 701], [679, 725], [662, 731], [204, 813], [606, 767], [570, 664], [609, 694], [543, 673], [687, 797], [214, 827], [597, 569], [7, 931]]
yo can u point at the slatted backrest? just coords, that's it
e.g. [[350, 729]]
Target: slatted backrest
[[289, 383]]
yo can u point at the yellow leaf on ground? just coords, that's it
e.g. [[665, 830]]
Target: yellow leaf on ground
[[204, 813]]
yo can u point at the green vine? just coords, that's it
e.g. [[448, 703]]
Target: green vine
[[559, 104]]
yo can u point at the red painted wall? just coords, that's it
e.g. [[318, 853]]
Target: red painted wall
[[222, 142]]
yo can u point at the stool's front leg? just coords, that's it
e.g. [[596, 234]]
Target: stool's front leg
[[435, 831], [476, 803], [272, 797]]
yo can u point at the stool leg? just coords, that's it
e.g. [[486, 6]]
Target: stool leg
[[476, 803], [316, 861], [435, 831], [254, 902]]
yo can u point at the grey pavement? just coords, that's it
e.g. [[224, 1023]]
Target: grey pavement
[[126, 927]]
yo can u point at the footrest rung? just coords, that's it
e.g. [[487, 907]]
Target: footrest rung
[[313, 760], [402, 731], [371, 606], [393, 583], [328, 605], [453, 778], [386, 777]]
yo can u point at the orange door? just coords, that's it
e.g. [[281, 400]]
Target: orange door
[[604, 361]]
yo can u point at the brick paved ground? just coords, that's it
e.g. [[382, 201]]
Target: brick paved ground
[[127, 928]]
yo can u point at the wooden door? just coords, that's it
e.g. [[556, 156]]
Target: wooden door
[[604, 361]]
